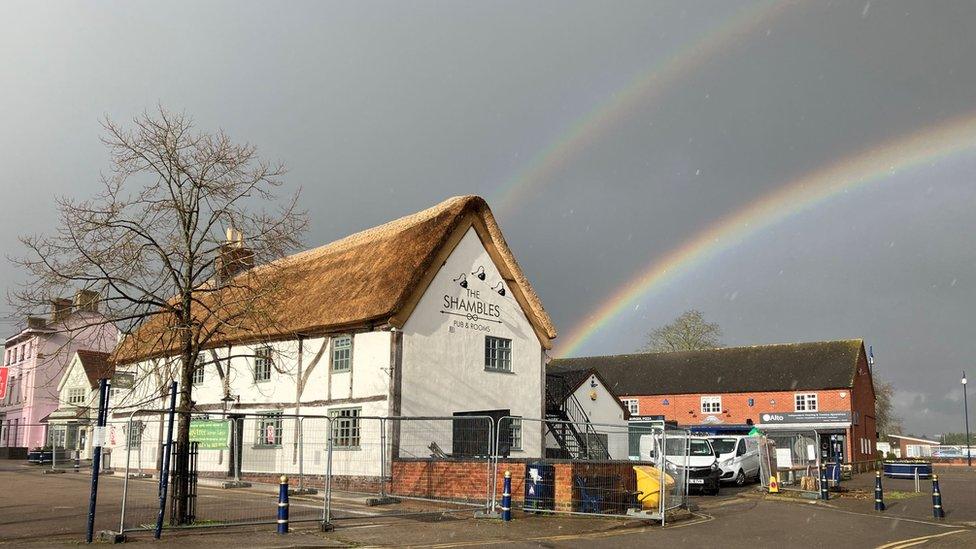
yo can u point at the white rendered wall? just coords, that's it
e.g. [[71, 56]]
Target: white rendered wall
[[444, 354], [606, 415]]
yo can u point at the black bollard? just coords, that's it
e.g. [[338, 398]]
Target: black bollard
[[937, 510], [878, 493], [824, 489]]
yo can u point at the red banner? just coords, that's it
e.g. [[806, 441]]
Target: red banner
[[3, 382]]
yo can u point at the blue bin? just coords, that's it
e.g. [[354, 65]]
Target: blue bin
[[833, 472], [540, 482]]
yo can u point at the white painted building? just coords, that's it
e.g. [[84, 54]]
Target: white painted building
[[71, 426], [428, 315], [600, 420]]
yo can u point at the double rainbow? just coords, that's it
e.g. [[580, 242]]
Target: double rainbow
[[861, 169], [642, 90]]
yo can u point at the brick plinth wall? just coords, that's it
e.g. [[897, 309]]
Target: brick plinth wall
[[464, 480]]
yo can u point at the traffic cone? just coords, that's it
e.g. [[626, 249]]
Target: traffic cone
[[937, 510], [878, 493]]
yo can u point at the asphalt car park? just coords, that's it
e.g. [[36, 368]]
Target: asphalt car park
[[49, 510]]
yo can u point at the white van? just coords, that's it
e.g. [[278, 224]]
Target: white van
[[738, 457], [693, 457]]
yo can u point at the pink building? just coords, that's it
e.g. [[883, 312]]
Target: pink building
[[38, 356]]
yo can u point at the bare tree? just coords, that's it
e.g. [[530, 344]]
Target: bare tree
[[688, 332], [886, 421], [163, 245]]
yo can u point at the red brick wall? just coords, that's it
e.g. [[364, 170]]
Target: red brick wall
[[863, 406], [466, 480], [686, 408]]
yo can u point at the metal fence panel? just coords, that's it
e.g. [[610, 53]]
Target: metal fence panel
[[794, 458], [592, 468]]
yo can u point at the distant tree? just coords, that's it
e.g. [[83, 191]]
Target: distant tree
[[886, 421], [688, 332], [957, 439]]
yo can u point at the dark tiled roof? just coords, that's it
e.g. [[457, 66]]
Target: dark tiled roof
[[787, 367], [97, 366]]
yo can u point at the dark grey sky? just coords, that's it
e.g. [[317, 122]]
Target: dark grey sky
[[380, 109]]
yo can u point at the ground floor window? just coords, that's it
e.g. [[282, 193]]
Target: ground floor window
[[515, 427], [268, 432], [345, 428]]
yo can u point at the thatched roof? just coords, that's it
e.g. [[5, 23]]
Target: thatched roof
[[784, 367], [370, 278]]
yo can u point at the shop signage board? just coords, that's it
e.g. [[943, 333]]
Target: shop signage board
[[210, 434], [773, 418], [3, 382]]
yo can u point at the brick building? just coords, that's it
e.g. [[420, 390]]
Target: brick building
[[824, 386]]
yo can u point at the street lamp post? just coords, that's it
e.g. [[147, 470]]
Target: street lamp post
[[965, 404]]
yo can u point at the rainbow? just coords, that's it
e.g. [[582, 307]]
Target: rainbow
[[646, 86], [860, 169]]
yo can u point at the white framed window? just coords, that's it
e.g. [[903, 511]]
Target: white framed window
[[76, 395], [268, 433], [711, 404], [342, 353], [498, 354], [515, 428], [198, 370], [632, 405], [345, 428], [805, 402], [262, 364]]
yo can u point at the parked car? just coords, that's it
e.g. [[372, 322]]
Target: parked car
[[685, 457], [738, 458]]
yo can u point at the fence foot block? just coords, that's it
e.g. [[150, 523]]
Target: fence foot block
[[235, 484], [301, 491], [111, 537], [326, 526], [53, 471], [140, 475], [386, 500], [487, 515]]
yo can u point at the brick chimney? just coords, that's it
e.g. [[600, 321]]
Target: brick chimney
[[233, 257], [36, 323], [60, 309], [86, 300]]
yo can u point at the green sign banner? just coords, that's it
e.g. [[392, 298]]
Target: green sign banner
[[211, 434]]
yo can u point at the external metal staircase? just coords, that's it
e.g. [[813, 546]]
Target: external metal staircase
[[570, 427]]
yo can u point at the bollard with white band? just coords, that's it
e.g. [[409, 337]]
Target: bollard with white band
[[283, 505], [878, 493], [937, 510], [507, 497]]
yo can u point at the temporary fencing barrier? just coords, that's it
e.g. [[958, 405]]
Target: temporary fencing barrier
[[342, 467], [598, 469], [794, 458]]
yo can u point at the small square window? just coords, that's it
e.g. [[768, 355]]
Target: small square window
[[262, 364], [498, 354], [633, 406], [342, 354], [711, 404], [806, 402]]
